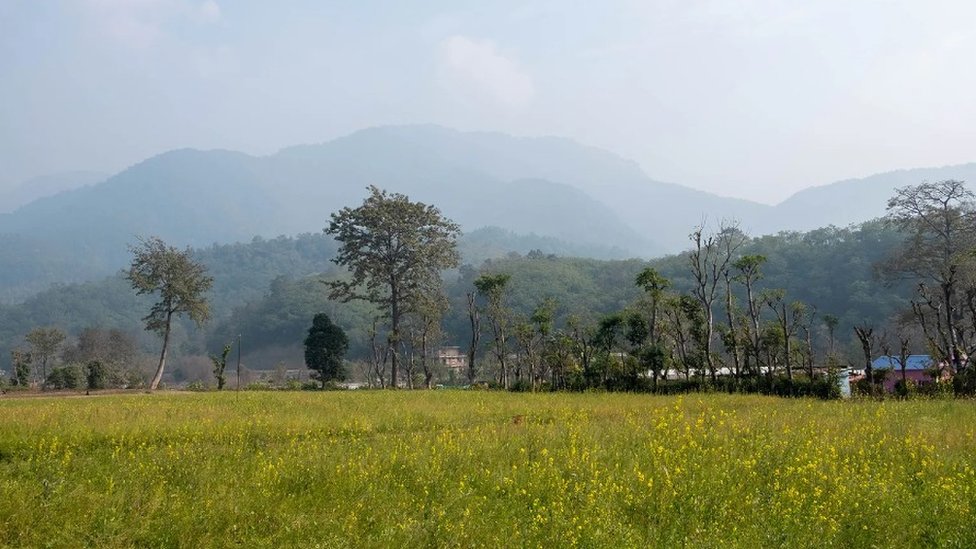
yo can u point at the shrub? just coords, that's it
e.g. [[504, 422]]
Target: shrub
[[292, 385], [69, 376], [520, 386], [906, 388]]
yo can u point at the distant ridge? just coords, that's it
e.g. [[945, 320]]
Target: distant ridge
[[47, 185], [855, 200]]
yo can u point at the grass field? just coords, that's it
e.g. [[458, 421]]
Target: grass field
[[449, 468]]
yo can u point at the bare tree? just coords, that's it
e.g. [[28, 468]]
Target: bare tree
[[710, 257], [939, 221], [788, 316], [749, 269]]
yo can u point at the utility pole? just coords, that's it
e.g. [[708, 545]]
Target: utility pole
[[238, 363]]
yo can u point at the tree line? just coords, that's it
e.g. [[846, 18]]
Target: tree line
[[725, 329], [709, 317]]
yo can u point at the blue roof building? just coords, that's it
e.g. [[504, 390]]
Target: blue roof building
[[913, 363]]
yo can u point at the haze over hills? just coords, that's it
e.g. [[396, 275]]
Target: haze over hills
[[572, 198], [46, 185]]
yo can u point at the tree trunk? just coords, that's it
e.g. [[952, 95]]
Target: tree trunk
[[810, 357], [475, 318], [394, 333], [162, 355], [947, 289], [709, 329], [736, 359]]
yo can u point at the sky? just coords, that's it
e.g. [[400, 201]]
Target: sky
[[755, 99]]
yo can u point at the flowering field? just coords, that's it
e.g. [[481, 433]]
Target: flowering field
[[484, 469]]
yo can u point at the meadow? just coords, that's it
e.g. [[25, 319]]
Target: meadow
[[453, 468]]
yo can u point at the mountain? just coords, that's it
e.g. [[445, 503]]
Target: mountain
[[196, 198], [855, 200], [578, 199], [46, 185], [663, 213]]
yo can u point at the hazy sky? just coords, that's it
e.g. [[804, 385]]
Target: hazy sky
[[748, 98]]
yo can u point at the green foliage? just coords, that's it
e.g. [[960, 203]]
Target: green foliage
[[394, 248], [325, 348], [180, 283], [68, 376], [280, 318]]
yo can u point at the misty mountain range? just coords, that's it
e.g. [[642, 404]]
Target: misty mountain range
[[591, 200]]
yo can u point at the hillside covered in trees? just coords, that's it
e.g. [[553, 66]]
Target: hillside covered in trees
[[267, 291]]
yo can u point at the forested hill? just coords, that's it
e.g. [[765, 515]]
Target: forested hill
[[268, 290]]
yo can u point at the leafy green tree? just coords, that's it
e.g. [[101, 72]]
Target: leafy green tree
[[45, 344], [395, 250], [181, 285], [325, 347], [219, 365]]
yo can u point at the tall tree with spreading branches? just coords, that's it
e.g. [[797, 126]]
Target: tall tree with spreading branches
[[939, 222], [395, 250], [710, 256], [181, 284]]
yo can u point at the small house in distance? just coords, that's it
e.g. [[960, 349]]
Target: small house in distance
[[918, 368], [453, 359]]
